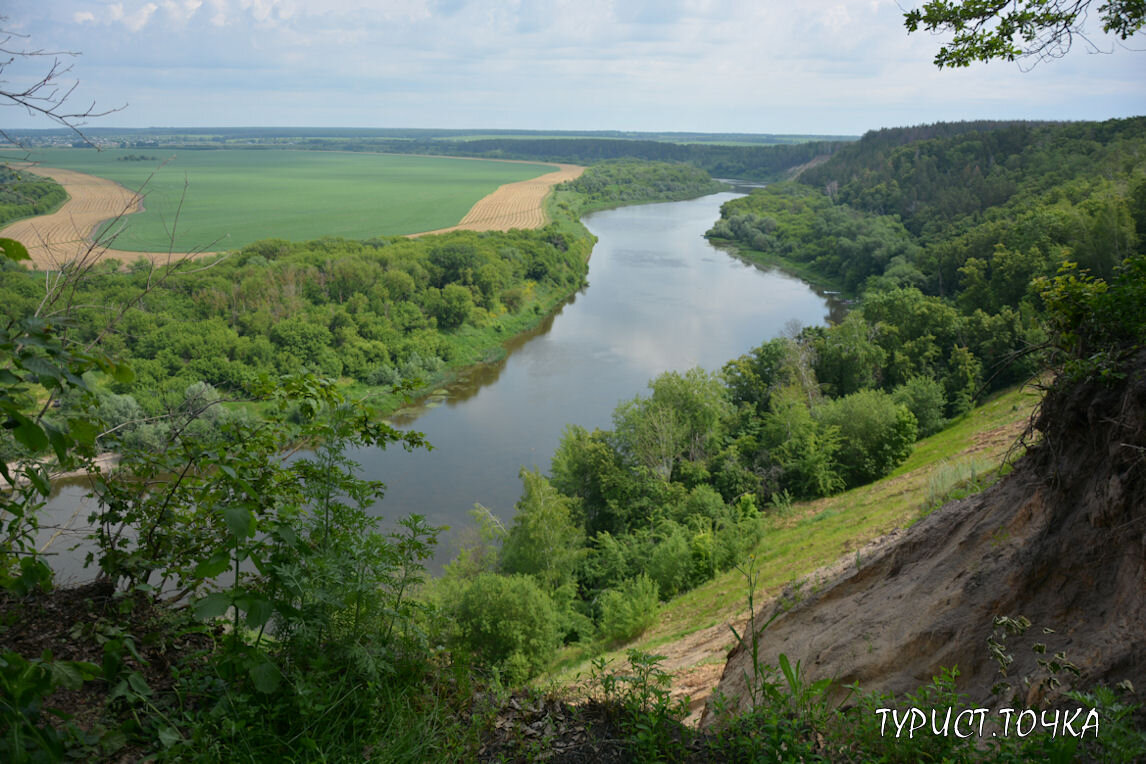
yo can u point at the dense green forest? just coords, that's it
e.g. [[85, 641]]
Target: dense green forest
[[379, 313], [21, 197]]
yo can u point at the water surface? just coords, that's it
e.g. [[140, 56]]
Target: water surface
[[660, 297]]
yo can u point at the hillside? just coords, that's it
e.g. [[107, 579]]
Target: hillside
[[1059, 541]]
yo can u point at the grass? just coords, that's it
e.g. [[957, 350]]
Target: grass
[[237, 196], [817, 533]]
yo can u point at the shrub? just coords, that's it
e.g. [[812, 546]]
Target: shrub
[[628, 611], [924, 398], [670, 560], [500, 616], [876, 434]]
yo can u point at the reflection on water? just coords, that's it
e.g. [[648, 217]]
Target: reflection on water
[[660, 297]]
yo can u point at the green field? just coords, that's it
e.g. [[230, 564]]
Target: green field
[[233, 197]]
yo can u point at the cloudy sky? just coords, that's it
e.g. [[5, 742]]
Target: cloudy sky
[[775, 66]]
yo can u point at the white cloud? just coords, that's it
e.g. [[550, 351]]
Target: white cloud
[[134, 20], [83, 17], [181, 12]]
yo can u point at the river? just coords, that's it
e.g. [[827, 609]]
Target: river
[[660, 298]]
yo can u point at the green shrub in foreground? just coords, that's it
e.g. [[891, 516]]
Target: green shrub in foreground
[[629, 611], [508, 622]]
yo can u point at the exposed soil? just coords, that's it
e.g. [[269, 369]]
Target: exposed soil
[[514, 205], [1060, 541]]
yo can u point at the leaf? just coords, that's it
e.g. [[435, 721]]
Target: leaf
[[83, 431], [266, 677], [211, 606], [28, 433], [39, 479], [67, 674], [239, 520], [59, 442], [214, 565], [14, 250], [259, 611], [169, 736], [136, 681], [123, 373]]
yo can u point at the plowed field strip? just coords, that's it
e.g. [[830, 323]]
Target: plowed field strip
[[65, 234], [514, 205]]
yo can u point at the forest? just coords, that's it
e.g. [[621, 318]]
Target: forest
[[22, 198]]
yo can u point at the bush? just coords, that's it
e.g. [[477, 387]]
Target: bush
[[499, 617], [627, 612], [669, 561], [876, 434], [924, 398]]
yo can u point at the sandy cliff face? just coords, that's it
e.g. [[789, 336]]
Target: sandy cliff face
[[1061, 541]]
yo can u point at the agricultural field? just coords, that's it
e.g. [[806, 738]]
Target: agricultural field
[[217, 200]]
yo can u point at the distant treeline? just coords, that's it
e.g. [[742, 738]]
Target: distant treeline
[[416, 133], [765, 157], [23, 195], [720, 161]]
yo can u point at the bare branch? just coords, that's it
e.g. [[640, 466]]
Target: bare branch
[[47, 96]]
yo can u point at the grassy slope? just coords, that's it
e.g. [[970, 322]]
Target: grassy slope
[[818, 533], [235, 197]]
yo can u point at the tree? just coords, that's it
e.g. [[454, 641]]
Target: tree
[[544, 542], [47, 96], [987, 29]]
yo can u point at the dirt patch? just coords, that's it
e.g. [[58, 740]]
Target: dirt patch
[[514, 205]]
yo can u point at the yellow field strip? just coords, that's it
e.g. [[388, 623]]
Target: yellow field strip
[[65, 235], [514, 205]]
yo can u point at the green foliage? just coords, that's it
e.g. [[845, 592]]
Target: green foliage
[[617, 182], [804, 448], [680, 420], [794, 222], [507, 622], [985, 30], [628, 611], [924, 398], [1096, 324], [876, 434], [847, 357], [24, 194], [371, 312], [26, 733], [543, 541], [643, 698]]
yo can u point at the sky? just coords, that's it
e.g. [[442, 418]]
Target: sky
[[828, 67]]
